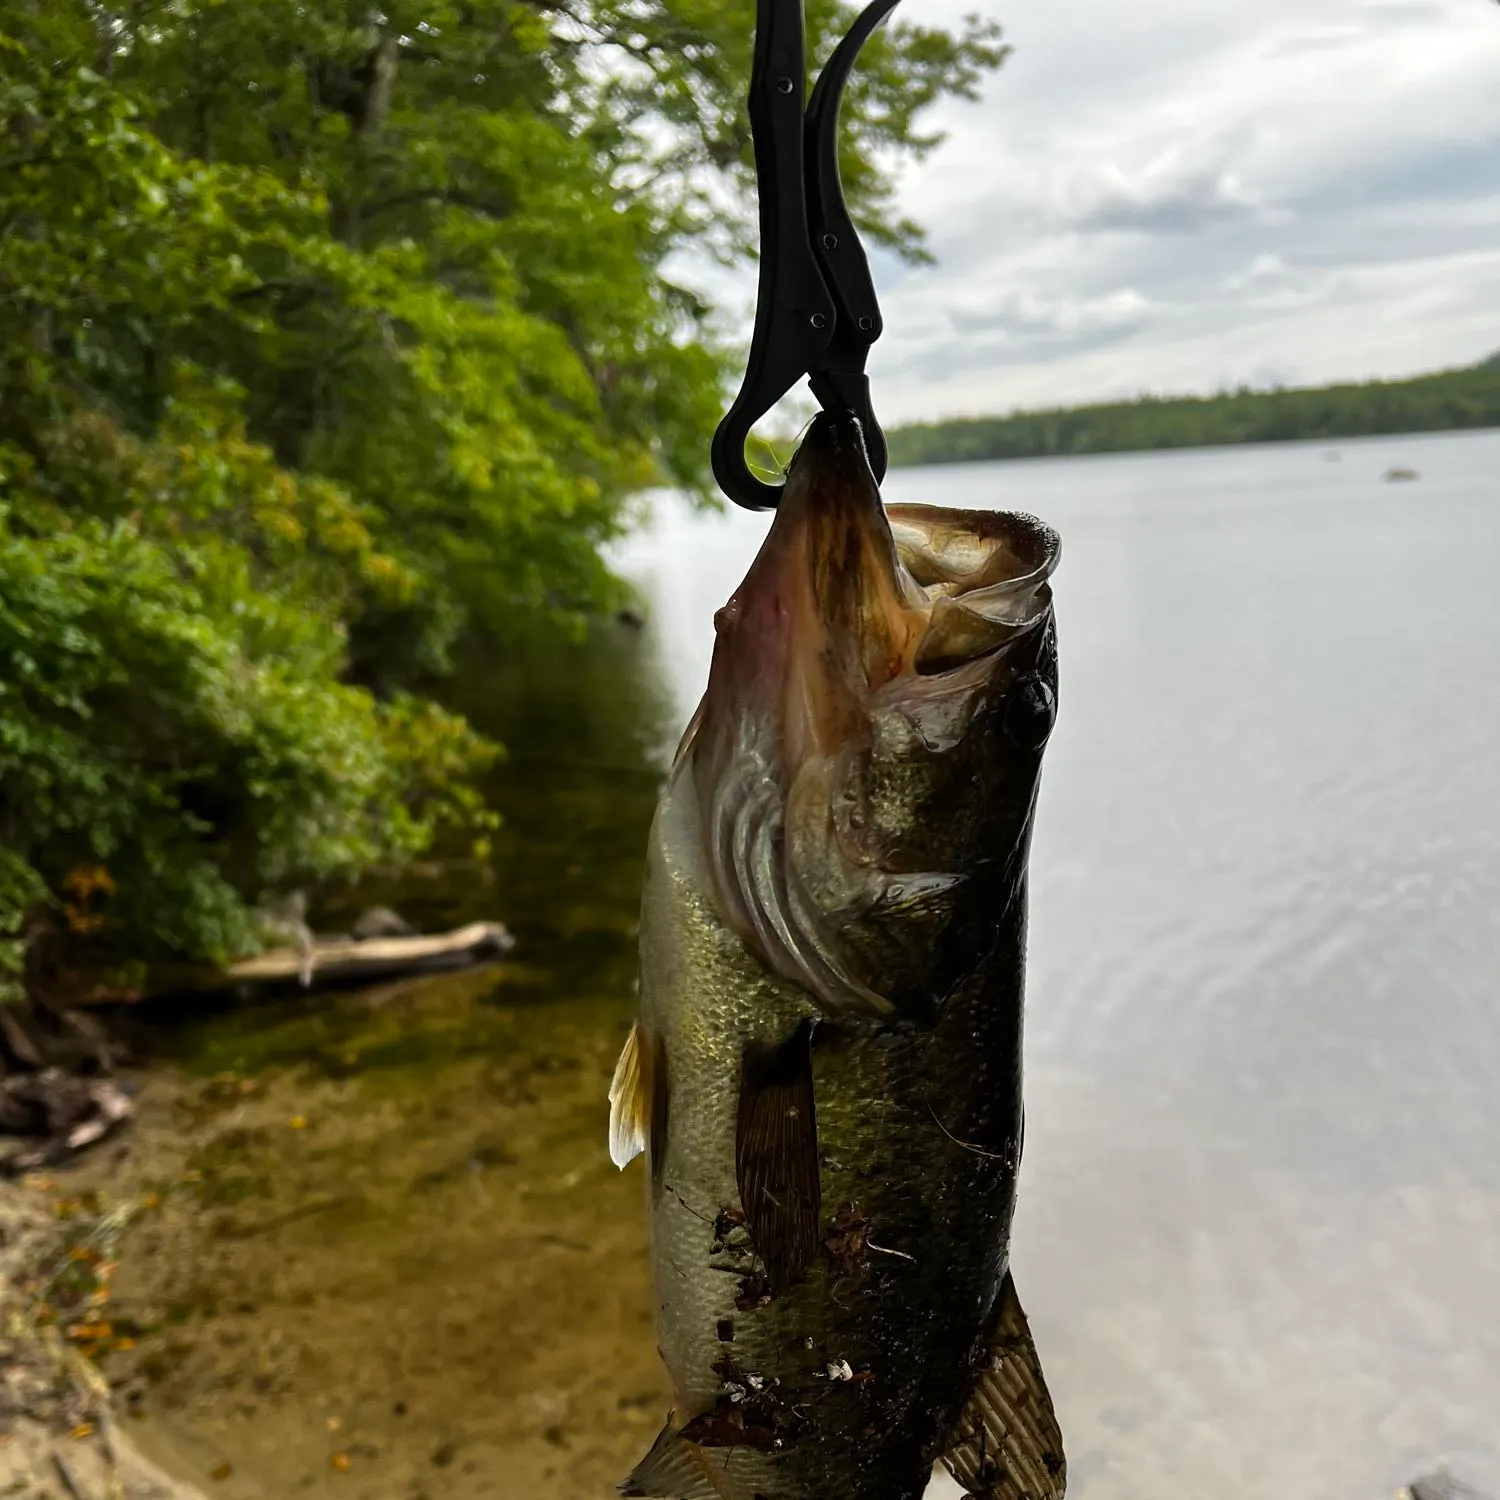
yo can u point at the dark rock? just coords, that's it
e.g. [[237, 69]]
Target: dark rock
[[39, 1035], [17, 1037], [52, 1113], [1443, 1486]]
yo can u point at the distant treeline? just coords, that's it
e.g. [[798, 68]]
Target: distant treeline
[[1431, 403]]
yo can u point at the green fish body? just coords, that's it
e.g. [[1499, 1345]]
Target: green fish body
[[825, 1076]]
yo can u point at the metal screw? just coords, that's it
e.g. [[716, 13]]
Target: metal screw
[[830, 241], [819, 320], [866, 323], [784, 85]]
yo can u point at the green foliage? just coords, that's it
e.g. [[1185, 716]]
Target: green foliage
[[437, 234], [170, 709], [326, 335], [1466, 398], [173, 602], [680, 67]]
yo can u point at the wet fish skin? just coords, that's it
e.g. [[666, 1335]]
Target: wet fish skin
[[826, 1070]]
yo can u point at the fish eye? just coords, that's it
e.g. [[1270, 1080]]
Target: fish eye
[[1030, 712]]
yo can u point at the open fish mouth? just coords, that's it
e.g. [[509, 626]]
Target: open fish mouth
[[854, 674], [846, 596], [984, 575]]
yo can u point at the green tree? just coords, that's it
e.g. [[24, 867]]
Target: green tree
[[326, 333], [456, 306], [1466, 398]]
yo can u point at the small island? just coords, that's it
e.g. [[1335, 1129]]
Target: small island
[[1450, 400]]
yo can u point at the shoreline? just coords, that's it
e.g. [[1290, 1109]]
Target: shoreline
[[377, 1245], [1331, 443], [61, 1433]]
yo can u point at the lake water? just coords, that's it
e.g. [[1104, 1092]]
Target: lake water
[[1259, 1229]]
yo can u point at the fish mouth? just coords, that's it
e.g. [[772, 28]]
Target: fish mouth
[[848, 609], [847, 596]]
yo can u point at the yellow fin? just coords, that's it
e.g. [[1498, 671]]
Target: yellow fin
[[1007, 1444], [629, 1102]]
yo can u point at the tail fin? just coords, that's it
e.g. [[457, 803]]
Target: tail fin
[[1007, 1445], [676, 1468]]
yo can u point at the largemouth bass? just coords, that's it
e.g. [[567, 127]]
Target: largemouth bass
[[825, 1075]]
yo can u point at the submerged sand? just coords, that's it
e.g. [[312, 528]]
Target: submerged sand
[[390, 1256]]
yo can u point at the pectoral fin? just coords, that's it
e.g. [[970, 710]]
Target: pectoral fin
[[638, 1100], [776, 1156], [1007, 1444], [629, 1103], [676, 1469]]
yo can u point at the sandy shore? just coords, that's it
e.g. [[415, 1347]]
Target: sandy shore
[[61, 1436], [385, 1256]]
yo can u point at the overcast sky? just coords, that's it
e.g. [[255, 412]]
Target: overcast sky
[[1179, 195]]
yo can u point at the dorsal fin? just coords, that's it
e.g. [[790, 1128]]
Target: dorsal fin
[[1007, 1444]]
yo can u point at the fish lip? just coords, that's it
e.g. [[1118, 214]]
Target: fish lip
[[835, 440], [825, 609], [1036, 541], [985, 578]]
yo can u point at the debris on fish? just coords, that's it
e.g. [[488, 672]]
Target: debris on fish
[[827, 1056]]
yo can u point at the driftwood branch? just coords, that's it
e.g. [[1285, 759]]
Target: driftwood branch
[[339, 960]]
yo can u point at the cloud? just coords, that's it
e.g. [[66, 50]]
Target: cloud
[[1023, 329], [1168, 197], [1026, 313], [1388, 15], [1174, 196], [1297, 326], [1263, 270], [1324, 40], [1178, 196]]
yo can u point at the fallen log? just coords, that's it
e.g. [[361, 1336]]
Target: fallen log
[[356, 960]]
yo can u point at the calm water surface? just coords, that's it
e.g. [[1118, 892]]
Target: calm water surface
[[1259, 1233]]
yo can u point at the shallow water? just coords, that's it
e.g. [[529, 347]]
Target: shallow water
[[1259, 1235], [391, 1256]]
